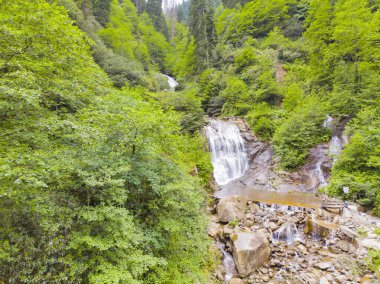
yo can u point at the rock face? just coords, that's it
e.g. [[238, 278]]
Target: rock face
[[250, 251], [231, 208]]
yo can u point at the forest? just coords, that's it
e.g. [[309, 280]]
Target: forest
[[104, 172]]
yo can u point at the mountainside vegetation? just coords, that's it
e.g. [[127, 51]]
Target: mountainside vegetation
[[94, 181], [103, 171]]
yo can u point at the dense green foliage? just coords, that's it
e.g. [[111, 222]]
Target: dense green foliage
[[102, 168], [94, 182], [285, 65], [359, 165]]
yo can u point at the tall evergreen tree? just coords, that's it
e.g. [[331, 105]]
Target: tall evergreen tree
[[101, 10], [154, 9], [202, 29]]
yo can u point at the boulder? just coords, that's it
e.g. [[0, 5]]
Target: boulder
[[250, 251], [349, 233], [343, 245], [231, 208], [319, 227]]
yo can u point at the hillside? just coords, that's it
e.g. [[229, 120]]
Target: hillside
[[105, 175]]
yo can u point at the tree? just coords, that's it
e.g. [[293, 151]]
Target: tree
[[202, 28], [154, 9]]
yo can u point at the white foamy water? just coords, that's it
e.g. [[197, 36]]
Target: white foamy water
[[228, 153], [171, 81]]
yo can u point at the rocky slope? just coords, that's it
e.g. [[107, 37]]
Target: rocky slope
[[276, 231]]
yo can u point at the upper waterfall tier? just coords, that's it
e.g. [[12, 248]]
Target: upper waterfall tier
[[229, 156]]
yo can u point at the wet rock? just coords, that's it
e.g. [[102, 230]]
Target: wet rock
[[250, 251], [231, 208], [319, 227]]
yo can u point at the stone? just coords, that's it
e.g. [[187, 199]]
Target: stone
[[231, 208], [249, 216], [275, 262], [341, 279], [319, 227], [343, 245], [248, 223], [265, 278], [301, 248], [349, 232], [227, 232], [253, 208], [235, 281], [336, 219], [214, 229], [308, 278], [371, 244], [273, 226], [323, 265], [250, 251]]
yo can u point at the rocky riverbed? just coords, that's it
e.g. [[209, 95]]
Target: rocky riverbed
[[284, 244]]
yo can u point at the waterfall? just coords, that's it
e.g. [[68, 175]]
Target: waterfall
[[319, 174], [228, 152], [335, 147], [228, 263], [288, 233], [328, 123], [171, 81]]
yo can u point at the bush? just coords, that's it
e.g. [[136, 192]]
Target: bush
[[373, 261], [263, 120], [301, 131], [244, 59]]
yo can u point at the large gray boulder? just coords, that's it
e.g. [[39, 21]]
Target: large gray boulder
[[250, 251], [231, 208]]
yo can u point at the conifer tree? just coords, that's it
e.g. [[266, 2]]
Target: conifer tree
[[202, 28]]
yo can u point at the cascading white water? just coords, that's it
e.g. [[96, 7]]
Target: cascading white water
[[228, 153], [328, 123], [335, 147], [320, 175], [288, 233], [171, 81], [228, 263]]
